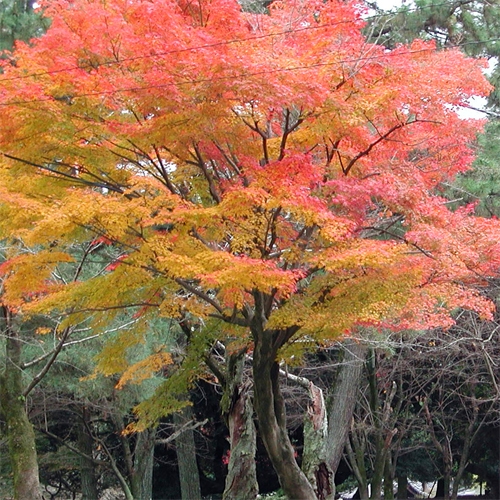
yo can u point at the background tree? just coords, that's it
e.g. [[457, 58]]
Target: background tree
[[19, 21], [26, 363], [430, 397]]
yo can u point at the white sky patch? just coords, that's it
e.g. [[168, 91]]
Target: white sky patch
[[390, 4], [476, 105]]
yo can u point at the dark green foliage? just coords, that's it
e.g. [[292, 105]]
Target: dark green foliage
[[480, 186], [19, 21]]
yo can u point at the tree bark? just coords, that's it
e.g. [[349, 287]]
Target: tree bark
[[314, 461], [241, 479], [343, 402], [141, 478], [20, 433], [356, 458], [388, 479], [469, 435], [441, 488], [186, 458], [137, 461], [444, 448], [402, 486], [270, 406], [87, 466]]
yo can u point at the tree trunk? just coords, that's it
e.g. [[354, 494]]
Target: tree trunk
[[20, 433], [355, 448], [141, 478], [388, 479], [241, 479], [343, 402], [464, 455], [87, 467], [378, 469], [402, 486], [270, 409], [314, 460], [444, 448], [443, 485], [186, 458], [440, 489]]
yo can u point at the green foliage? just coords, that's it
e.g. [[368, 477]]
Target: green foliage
[[421, 462], [19, 21], [255, 6], [170, 396], [481, 186]]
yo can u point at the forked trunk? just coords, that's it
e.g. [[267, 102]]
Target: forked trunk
[[270, 410]]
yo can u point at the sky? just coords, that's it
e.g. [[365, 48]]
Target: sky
[[388, 4]]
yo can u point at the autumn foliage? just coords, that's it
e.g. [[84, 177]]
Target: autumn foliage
[[273, 172]]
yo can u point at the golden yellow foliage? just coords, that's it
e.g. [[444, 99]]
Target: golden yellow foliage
[[144, 369]]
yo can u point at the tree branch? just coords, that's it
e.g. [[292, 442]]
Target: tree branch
[[37, 378]]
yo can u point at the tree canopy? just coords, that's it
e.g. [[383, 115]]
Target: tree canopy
[[273, 174]]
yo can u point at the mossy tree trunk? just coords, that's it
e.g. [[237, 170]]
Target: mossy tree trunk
[[19, 430]]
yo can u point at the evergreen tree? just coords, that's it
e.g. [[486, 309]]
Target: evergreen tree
[[19, 21]]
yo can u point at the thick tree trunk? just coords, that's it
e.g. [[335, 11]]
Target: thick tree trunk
[[186, 458], [270, 409], [343, 401], [20, 433], [314, 459], [241, 479], [87, 466]]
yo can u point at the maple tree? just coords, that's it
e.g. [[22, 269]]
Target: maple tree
[[272, 175]]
